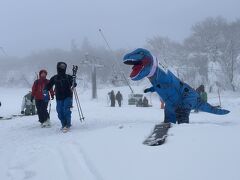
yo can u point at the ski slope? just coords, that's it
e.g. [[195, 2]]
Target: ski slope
[[108, 145]]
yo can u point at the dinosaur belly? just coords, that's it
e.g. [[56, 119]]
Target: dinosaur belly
[[169, 95], [168, 87]]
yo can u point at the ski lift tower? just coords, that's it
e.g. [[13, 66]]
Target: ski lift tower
[[92, 61]]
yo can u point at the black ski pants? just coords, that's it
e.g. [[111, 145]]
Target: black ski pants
[[42, 110]]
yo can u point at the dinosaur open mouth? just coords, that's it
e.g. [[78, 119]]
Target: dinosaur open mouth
[[136, 69], [138, 66]]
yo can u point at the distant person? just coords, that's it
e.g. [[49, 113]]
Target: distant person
[[28, 106], [145, 102], [200, 89], [119, 98], [139, 103], [41, 102], [112, 98], [203, 94], [64, 94]]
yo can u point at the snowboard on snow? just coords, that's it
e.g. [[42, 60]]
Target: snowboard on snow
[[158, 135]]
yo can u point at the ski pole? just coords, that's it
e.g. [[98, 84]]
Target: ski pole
[[80, 113], [79, 105], [80, 116]]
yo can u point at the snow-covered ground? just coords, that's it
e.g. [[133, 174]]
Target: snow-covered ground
[[108, 145]]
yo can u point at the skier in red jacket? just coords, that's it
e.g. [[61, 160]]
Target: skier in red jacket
[[41, 102]]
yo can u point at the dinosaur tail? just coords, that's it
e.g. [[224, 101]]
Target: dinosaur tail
[[206, 107]]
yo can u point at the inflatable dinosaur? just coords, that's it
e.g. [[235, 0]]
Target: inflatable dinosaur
[[178, 96]]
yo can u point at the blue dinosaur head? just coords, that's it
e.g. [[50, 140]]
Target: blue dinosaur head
[[142, 62]]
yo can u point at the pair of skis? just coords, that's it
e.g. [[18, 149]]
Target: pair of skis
[[79, 107]]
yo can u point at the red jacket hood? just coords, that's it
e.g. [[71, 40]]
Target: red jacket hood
[[43, 70]]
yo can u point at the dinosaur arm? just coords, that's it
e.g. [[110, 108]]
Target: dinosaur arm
[[151, 89]]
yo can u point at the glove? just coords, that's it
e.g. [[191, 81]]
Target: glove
[[146, 90], [74, 85], [45, 92], [22, 112], [52, 98], [45, 96]]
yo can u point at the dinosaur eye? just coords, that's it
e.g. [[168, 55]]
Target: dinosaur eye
[[141, 53]]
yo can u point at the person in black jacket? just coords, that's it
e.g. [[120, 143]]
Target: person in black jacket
[[112, 98], [64, 94], [119, 98], [145, 102]]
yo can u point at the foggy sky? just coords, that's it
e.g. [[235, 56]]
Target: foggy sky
[[31, 25]]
